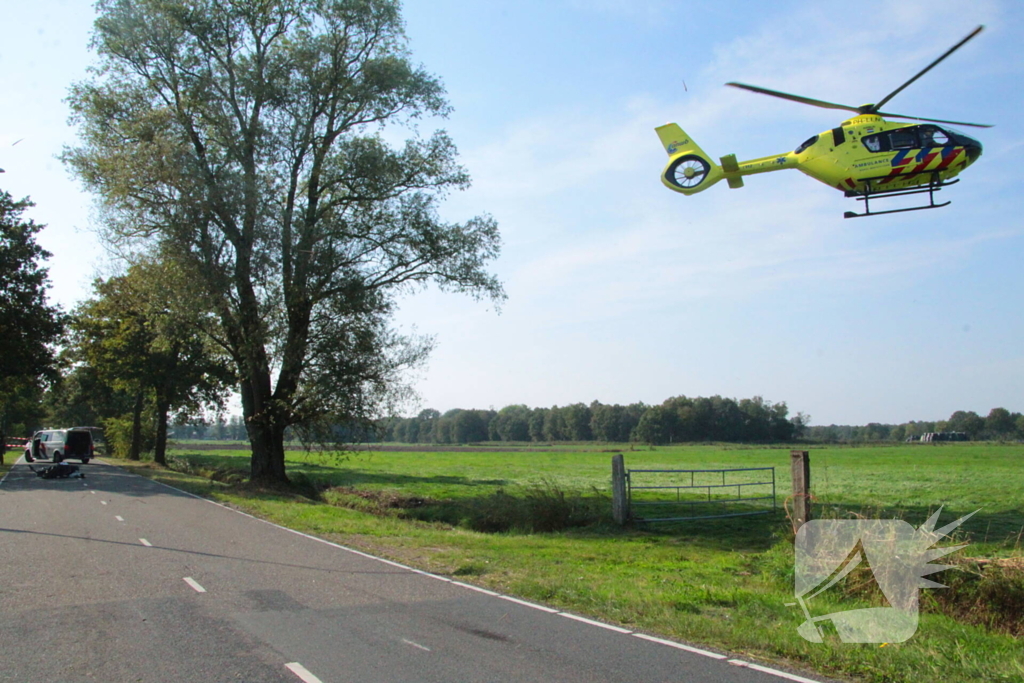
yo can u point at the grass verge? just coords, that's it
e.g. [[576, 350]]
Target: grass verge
[[9, 458]]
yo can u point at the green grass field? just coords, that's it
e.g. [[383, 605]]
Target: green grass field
[[9, 458], [721, 583]]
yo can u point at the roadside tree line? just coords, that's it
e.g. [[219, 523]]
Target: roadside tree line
[[678, 419]]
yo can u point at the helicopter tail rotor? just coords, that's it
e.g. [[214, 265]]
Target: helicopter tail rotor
[[690, 169]]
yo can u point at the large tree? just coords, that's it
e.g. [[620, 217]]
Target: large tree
[[31, 326], [246, 136], [1000, 423], [966, 421]]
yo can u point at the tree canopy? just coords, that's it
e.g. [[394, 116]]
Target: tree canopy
[[245, 138], [31, 326], [143, 336]]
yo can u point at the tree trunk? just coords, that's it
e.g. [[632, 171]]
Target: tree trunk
[[3, 433], [267, 440], [266, 433], [135, 450], [160, 448]]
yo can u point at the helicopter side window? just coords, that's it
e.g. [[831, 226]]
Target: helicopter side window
[[874, 143], [903, 139], [805, 144]]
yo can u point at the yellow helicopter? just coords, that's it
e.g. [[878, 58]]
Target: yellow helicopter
[[865, 156]]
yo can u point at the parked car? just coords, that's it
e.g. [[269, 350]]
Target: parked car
[[61, 444]]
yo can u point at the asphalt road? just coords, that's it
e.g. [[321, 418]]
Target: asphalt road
[[117, 578]]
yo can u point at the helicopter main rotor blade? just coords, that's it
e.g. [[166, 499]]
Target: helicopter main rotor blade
[[925, 70], [796, 98], [918, 118]]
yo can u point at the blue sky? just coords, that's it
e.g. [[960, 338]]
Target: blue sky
[[620, 290]]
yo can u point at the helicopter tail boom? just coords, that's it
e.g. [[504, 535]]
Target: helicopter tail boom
[[690, 169]]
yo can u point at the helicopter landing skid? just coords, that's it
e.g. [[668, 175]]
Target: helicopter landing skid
[[934, 185]]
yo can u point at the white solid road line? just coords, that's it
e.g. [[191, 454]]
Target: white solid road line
[[302, 672], [422, 647], [680, 646], [19, 461], [195, 584], [617, 629], [532, 605], [478, 589], [773, 672], [145, 543]]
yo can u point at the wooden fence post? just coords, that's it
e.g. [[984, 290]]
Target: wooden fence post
[[801, 465], [620, 505]]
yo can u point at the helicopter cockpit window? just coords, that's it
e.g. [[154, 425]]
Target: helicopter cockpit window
[[903, 139], [932, 136], [873, 143], [805, 144]]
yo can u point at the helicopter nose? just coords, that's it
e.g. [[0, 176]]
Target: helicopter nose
[[973, 149], [971, 146]]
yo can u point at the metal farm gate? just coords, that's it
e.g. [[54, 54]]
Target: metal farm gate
[[676, 495]]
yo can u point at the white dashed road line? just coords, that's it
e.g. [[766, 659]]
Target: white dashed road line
[[302, 672], [145, 543], [119, 518], [103, 502], [195, 584]]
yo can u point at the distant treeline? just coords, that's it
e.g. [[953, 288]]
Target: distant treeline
[[222, 428], [678, 419], [1000, 424]]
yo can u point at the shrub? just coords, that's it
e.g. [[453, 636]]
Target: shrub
[[194, 465], [540, 508], [118, 436], [987, 592]]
